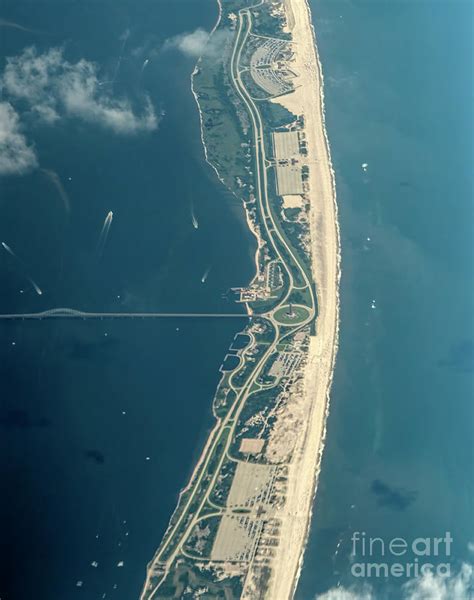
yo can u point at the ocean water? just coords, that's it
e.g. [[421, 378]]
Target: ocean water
[[399, 455], [101, 422], [399, 451]]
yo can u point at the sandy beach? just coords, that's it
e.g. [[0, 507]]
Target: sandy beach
[[304, 435], [308, 99]]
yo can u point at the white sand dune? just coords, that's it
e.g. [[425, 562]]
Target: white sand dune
[[308, 100]]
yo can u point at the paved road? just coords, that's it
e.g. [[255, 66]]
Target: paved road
[[163, 558], [68, 313]]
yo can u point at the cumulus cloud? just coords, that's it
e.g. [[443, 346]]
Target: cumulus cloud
[[190, 44], [54, 88], [430, 586], [16, 156], [198, 43], [341, 593], [437, 587]]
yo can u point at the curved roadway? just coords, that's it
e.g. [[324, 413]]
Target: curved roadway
[[170, 547]]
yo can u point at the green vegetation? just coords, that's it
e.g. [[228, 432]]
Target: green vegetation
[[225, 125], [254, 90], [259, 403], [265, 378], [267, 22], [196, 496], [297, 315], [275, 115], [220, 491], [200, 541], [185, 579], [237, 134], [292, 214], [224, 396], [300, 296], [251, 358]]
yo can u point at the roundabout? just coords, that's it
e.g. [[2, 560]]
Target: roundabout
[[291, 314]]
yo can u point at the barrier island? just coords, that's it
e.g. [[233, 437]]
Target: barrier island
[[241, 523]]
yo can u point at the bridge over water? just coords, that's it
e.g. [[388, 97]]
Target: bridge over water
[[70, 313]]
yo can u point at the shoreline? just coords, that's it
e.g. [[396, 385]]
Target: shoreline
[[196, 98], [295, 515], [285, 576], [249, 221], [326, 266]]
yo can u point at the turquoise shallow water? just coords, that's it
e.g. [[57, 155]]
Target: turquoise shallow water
[[399, 455]]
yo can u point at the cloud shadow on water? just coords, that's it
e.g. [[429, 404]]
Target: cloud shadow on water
[[16, 418], [396, 499], [95, 455]]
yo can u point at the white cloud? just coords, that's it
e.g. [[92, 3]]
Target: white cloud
[[436, 587], [198, 43], [429, 586], [341, 593], [190, 44], [54, 87], [16, 156]]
